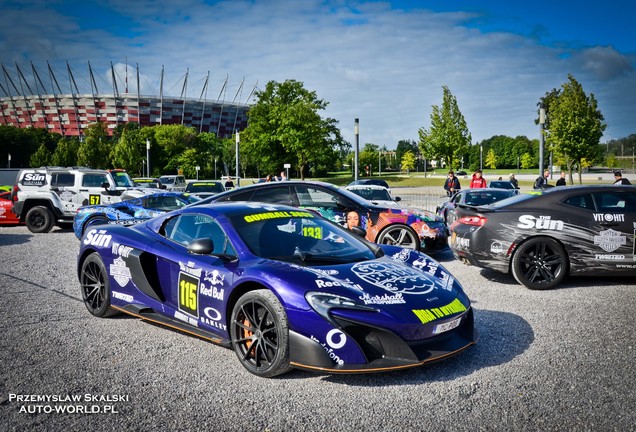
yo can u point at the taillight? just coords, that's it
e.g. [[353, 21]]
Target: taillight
[[14, 193], [472, 220]]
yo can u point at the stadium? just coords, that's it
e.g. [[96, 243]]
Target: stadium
[[68, 109]]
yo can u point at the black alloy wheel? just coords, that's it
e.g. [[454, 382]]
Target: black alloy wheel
[[260, 334], [540, 263], [95, 286]]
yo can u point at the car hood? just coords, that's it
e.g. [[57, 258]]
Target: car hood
[[403, 281]]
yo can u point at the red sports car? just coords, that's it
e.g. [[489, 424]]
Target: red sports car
[[7, 217]]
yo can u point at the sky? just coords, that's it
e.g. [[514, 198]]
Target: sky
[[383, 62]]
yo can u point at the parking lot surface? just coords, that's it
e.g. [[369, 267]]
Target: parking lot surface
[[546, 361]]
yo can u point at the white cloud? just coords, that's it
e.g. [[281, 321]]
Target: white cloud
[[384, 66]]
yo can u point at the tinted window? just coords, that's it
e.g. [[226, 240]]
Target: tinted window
[[615, 201], [277, 195], [316, 197], [94, 180], [185, 228], [63, 179], [582, 201]]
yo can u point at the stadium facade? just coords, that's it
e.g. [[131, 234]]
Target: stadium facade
[[69, 113]]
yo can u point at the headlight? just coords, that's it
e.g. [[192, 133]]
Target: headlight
[[322, 303]]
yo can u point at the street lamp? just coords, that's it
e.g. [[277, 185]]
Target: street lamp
[[541, 136], [481, 156], [238, 140], [215, 159], [9, 160], [148, 156], [197, 168], [356, 131]]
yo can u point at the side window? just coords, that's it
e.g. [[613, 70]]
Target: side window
[[582, 201], [187, 227], [315, 197], [93, 180], [245, 196], [276, 195], [615, 202], [63, 179]]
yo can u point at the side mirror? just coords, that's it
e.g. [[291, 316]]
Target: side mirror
[[106, 185], [397, 199], [201, 246], [359, 231]]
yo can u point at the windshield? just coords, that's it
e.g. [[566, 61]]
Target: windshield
[[299, 237], [204, 187], [122, 179], [166, 180], [486, 196]]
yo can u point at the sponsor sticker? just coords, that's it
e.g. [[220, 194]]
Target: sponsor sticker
[[120, 272], [542, 222], [610, 240]]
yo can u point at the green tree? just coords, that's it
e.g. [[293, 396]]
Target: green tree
[[576, 125], [94, 151], [408, 161], [369, 157], [41, 157], [528, 161], [491, 159], [448, 136], [285, 127], [65, 153], [129, 151]]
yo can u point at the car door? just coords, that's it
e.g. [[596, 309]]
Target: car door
[[197, 286], [613, 224], [92, 192]]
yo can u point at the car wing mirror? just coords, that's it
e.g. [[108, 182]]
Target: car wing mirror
[[106, 185], [358, 231], [397, 199], [201, 246]]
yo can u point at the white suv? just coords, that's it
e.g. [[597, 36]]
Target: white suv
[[175, 183], [48, 196]]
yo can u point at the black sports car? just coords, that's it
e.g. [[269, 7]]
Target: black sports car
[[409, 228], [540, 239], [471, 197]]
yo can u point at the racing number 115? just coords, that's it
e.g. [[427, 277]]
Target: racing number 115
[[188, 294]]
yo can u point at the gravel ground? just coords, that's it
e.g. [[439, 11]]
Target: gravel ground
[[546, 361]]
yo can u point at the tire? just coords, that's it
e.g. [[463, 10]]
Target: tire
[[540, 263], [95, 220], [399, 235], [96, 286], [260, 334], [39, 219]]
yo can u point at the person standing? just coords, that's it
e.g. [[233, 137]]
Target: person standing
[[229, 184], [514, 181], [542, 181], [619, 180], [451, 185], [478, 181], [283, 177], [561, 181]]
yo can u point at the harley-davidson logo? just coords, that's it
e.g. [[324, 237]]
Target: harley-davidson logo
[[120, 272], [610, 240]]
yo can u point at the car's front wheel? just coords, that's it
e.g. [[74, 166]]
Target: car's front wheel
[[260, 333], [399, 235], [39, 219], [95, 286], [540, 263]]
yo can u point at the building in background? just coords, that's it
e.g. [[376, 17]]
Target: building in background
[[26, 102]]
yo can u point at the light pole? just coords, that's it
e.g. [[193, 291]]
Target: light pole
[[481, 157], [541, 136], [215, 159], [9, 160], [356, 131], [238, 140], [197, 168], [148, 156], [379, 163]]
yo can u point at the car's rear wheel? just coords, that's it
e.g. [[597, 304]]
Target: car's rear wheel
[[95, 220], [540, 263], [399, 235], [39, 219], [95, 286], [260, 333]]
